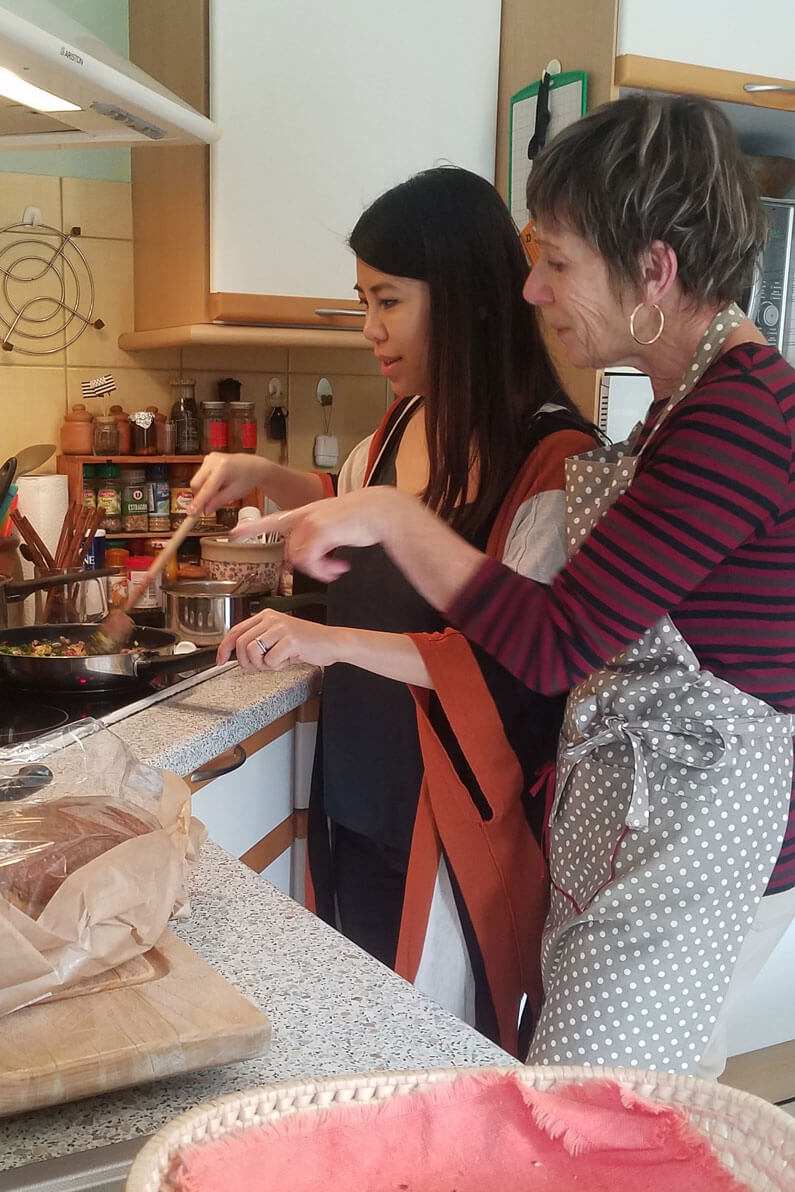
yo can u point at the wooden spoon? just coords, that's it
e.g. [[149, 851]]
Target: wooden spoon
[[117, 628]]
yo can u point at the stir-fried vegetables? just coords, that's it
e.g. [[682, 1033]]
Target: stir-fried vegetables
[[61, 648]]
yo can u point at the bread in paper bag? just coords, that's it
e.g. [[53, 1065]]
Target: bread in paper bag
[[92, 865]]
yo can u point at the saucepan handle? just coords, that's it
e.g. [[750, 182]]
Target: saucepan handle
[[169, 664]]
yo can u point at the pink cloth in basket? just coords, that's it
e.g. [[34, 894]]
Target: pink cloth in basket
[[479, 1132]]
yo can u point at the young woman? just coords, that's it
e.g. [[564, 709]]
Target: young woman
[[424, 838], [672, 835]]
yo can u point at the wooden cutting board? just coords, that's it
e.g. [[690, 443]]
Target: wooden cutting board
[[166, 1012]]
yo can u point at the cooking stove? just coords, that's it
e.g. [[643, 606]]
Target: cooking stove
[[25, 715]]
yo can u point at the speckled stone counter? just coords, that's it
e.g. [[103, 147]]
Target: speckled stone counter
[[190, 728], [333, 1010]]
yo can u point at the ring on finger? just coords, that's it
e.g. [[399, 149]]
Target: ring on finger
[[264, 649]]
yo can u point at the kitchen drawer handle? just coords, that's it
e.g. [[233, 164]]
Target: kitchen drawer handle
[[768, 87], [334, 310], [206, 773]]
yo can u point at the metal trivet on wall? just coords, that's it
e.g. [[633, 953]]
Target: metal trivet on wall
[[46, 289]]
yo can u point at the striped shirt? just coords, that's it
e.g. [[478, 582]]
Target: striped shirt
[[705, 533]]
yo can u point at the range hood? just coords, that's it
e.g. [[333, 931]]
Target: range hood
[[88, 95]]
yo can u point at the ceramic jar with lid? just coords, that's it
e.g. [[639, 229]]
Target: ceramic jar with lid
[[236, 560], [125, 430], [77, 431]]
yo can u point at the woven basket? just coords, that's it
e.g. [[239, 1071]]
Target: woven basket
[[754, 1140]]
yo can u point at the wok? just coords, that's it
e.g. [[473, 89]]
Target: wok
[[151, 656]]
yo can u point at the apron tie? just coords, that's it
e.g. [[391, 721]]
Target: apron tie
[[683, 742]]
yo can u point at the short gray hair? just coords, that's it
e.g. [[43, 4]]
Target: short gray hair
[[648, 168]]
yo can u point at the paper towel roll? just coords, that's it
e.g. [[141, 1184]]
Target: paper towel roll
[[44, 501]]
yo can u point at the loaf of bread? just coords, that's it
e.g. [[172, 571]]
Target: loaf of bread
[[42, 843]]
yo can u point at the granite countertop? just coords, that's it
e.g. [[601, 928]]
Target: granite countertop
[[333, 1010], [189, 728]]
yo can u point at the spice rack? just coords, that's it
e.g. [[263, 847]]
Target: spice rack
[[71, 466]]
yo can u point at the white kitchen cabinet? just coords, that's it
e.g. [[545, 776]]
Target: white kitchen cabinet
[[324, 106], [255, 807], [720, 34], [321, 107]]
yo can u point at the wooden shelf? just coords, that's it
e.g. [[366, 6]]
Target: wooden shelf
[[164, 533], [236, 336], [143, 460]]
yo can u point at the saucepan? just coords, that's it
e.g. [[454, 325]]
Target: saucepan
[[149, 654], [203, 611]]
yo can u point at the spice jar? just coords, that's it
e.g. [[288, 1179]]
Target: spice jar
[[88, 496], [134, 504], [144, 437], [125, 430], [226, 515], [118, 589], [137, 566], [242, 427], [181, 493], [215, 430], [77, 431], [158, 492], [109, 496], [171, 572], [185, 414]]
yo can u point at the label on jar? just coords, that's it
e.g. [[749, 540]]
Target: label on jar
[[118, 590], [109, 499], [159, 492], [152, 597], [181, 499], [248, 436], [217, 436]]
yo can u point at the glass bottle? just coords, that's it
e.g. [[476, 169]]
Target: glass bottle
[[185, 414]]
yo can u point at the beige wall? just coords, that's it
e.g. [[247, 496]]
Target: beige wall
[[36, 391]]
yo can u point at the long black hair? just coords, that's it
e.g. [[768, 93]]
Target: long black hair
[[489, 369]]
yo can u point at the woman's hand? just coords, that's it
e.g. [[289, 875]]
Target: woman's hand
[[272, 641], [314, 532], [434, 559], [223, 478]]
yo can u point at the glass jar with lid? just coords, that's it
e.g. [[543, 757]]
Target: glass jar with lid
[[144, 436], [106, 435], [215, 429], [242, 427], [185, 413]]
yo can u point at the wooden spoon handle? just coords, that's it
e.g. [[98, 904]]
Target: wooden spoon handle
[[161, 560]]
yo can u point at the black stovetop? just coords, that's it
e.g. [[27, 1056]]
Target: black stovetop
[[28, 714]]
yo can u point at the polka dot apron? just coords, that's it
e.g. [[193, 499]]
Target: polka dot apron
[[669, 813]]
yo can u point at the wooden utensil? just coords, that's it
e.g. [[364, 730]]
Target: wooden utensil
[[118, 626]]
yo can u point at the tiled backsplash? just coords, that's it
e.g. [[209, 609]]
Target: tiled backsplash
[[36, 391]]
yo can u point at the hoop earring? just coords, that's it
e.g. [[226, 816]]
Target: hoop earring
[[645, 342]]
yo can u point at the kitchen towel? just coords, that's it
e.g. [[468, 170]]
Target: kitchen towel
[[485, 1131]]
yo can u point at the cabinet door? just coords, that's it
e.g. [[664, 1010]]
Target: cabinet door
[[241, 808], [322, 107], [722, 34]]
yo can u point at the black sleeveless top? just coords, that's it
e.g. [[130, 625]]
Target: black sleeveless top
[[371, 761]]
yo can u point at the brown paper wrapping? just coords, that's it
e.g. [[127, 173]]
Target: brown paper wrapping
[[109, 910]]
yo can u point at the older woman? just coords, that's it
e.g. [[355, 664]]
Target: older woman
[[673, 621]]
